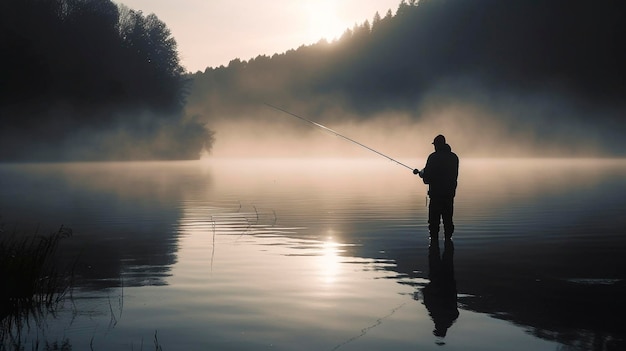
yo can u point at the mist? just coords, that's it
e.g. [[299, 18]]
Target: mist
[[476, 122], [89, 81], [521, 79], [493, 81]]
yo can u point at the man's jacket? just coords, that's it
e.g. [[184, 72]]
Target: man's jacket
[[441, 172]]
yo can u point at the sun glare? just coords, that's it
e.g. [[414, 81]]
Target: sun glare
[[329, 261], [323, 20]]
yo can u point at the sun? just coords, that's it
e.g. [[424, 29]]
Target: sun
[[324, 22]]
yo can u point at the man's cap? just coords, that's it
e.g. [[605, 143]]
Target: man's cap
[[439, 140]]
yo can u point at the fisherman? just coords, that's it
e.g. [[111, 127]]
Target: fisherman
[[440, 173]]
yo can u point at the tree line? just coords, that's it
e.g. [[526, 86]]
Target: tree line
[[90, 80], [573, 48], [87, 79]]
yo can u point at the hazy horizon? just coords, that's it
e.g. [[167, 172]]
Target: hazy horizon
[[475, 125], [519, 92]]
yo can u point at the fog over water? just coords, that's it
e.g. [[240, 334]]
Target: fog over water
[[248, 253], [477, 124], [479, 72]]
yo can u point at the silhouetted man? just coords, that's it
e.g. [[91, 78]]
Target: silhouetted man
[[440, 173]]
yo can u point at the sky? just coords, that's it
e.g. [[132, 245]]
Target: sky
[[211, 33]]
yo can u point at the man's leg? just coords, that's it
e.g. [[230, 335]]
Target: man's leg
[[435, 208], [446, 214]]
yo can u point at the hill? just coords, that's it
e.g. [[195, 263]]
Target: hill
[[546, 74], [88, 80]]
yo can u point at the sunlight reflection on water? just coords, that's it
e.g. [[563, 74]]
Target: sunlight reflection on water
[[331, 254]]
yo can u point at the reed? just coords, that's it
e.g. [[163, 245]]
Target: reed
[[32, 281], [33, 286]]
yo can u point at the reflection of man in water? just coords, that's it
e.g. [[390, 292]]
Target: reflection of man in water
[[440, 294], [440, 173]]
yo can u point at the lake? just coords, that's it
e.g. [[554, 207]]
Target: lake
[[327, 254]]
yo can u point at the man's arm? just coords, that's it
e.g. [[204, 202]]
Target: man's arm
[[425, 172]]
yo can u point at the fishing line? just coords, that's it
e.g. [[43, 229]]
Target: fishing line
[[338, 134], [365, 330]]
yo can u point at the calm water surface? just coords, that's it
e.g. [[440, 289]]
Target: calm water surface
[[329, 255]]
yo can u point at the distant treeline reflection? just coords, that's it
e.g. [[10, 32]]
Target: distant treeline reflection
[[90, 80]]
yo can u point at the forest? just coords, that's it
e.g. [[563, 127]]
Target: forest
[[91, 80], [546, 64]]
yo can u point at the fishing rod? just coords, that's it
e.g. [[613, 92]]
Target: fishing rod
[[415, 170]]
